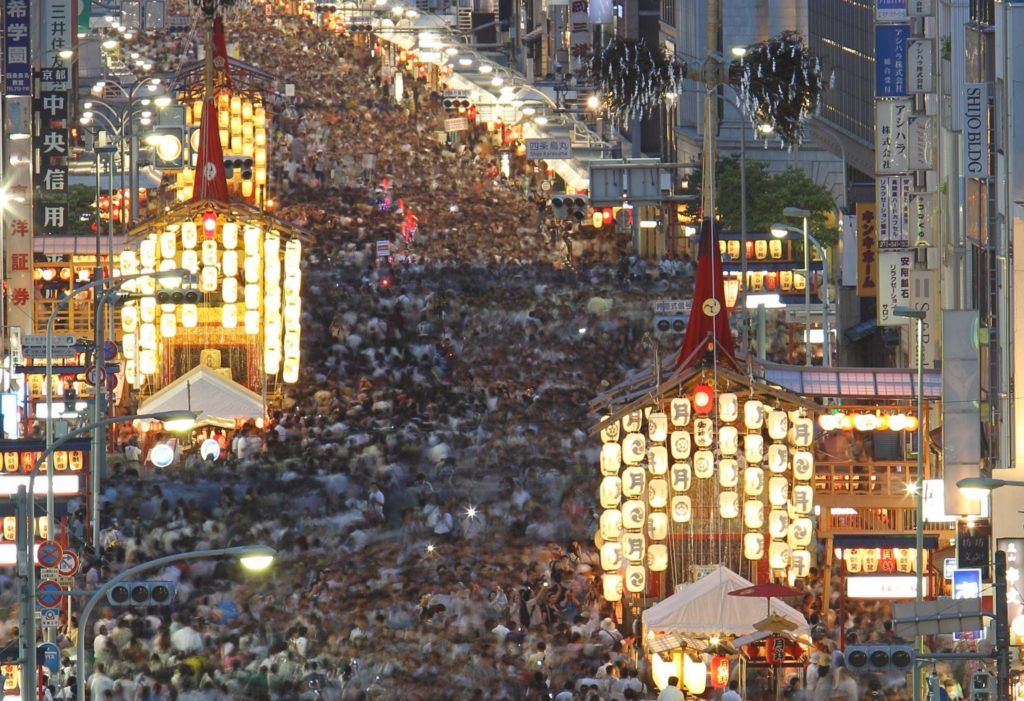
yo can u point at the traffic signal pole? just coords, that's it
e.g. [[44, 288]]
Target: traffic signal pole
[[1002, 628]]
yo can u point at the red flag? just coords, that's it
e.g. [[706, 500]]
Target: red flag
[[220, 53], [211, 182], [703, 328]]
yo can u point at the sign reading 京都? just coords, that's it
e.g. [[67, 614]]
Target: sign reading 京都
[[867, 250], [891, 60], [975, 155], [893, 225], [892, 135], [894, 269], [550, 148]]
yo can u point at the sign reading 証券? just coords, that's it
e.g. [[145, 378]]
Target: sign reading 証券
[[545, 149]]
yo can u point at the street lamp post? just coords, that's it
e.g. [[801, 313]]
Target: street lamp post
[[805, 214], [252, 557], [781, 231], [25, 568]]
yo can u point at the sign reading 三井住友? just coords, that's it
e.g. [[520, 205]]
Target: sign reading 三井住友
[[544, 149], [18, 31], [922, 143], [892, 135], [891, 60], [975, 156], [894, 269], [51, 148], [57, 25], [867, 250], [920, 65], [922, 218], [891, 195]]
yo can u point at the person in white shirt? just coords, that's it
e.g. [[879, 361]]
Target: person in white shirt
[[566, 693], [672, 691], [732, 693]]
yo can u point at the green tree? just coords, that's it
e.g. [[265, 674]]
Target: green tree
[[768, 194], [81, 209]]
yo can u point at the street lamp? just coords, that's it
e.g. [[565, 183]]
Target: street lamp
[[26, 539], [252, 557], [781, 231], [980, 487], [804, 214]]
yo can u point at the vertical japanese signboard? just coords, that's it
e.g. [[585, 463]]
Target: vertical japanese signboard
[[57, 37], [924, 298], [894, 269], [922, 208], [867, 250], [579, 29], [892, 135], [17, 44], [891, 195], [922, 143], [18, 217], [50, 150], [891, 60], [920, 65]]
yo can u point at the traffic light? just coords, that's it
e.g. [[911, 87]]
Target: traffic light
[[168, 144], [361, 26], [158, 593], [454, 103], [578, 206], [983, 686], [179, 295], [670, 323], [243, 165], [560, 206], [877, 658]]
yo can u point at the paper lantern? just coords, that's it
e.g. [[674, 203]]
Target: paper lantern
[[634, 482], [662, 669], [229, 316], [802, 432], [695, 675], [636, 579], [680, 411], [853, 560], [778, 523], [657, 525], [633, 421], [229, 263], [611, 524], [657, 557], [634, 448], [778, 424], [753, 414], [189, 316], [634, 547], [729, 504], [778, 491], [803, 499], [658, 460], [728, 473], [290, 373], [778, 555], [657, 427], [753, 481], [147, 335], [800, 563], [728, 440], [703, 432], [778, 457], [703, 399], [229, 235], [609, 434], [801, 530], [681, 475], [168, 244], [129, 318], [147, 362], [251, 269], [803, 465], [865, 422], [168, 325], [611, 586], [657, 493], [128, 347], [870, 558], [229, 288], [611, 458], [252, 322], [680, 444], [634, 514], [753, 546], [719, 671], [703, 464], [611, 555], [753, 514], [208, 279], [753, 447], [252, 296], [611, 492], [681, 509], [728, 407], [147, 309]]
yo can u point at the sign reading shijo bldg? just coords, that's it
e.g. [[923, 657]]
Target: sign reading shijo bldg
[[658, 465]]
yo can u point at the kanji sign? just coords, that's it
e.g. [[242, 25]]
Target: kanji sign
[[52, 148], [920, 65], [56, 37], [892, 135], [891, 59], [894, 269], [867, 250], [892, 193], [543, 149], [17, 30]]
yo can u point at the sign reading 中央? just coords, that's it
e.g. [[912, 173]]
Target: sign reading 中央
[[891, 60], [893, 225], [892, 135], [894, 269], [545, 149], [867, 250], [52, 150], [920, 65], [17, 30], [975, 155]]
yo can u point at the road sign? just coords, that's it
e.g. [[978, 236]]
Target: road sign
[[550, 148], [58, 340], [49, 554], [49, 618], [37, 352], [383, 248], [112, 380], [68, 565], [49, 594], [48, 654], [109, 350], [938, 617], [48, 573], [95, 375]]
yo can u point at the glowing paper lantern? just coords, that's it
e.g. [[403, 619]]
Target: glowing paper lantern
[[657, 493], [129, 317], [611, 524], [778, 457], [703, 399], [147, 309], [681, 508], [610, 492], [189, 316], [636, 578], [633, 421], [778, 424], [695, 675], [802, 432], [609, 434], [634, 448], [128, 345], [680, 411], [800, 563], [753, 414], [753, 546], [208, 279], [778, 491], [703, 432], [147, 252], [611, 555], [778, 555], [168, 325], [611, 458], [634, 547], [611, 586], [252, 236], [753, 514], [728, 473], [210, 449], [657, 525], [703, 464], [658, 460], [681, 475], [801, 531], [657, 557], [229, 235], [728, 440], [252, 296], [778, 523], [252, 322], [803, 499], [680, 444], [728, 407], [719, 671], [753, 481], [634, 482], [803, 465], [657, 427], [865, 422], [753, 447], [229, 316], [168, 244], [634, 514], [229, 289], [729, 504]]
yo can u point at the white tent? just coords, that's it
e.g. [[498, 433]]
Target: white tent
[[218, 399], [704, 608]]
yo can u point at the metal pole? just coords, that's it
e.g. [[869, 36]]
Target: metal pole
[[827, 340], [743, 216], [133, 168], [26, 596], [762, 340], [919, 494], [110, 209], [99, 445], [1002, 629], [807, 296]]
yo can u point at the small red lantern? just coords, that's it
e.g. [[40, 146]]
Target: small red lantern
[[607, 215], [209, 224], [703, 399], [776, 650], [719, 671]]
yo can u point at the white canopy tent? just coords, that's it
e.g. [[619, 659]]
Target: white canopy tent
[[219, 400], [704, 608]]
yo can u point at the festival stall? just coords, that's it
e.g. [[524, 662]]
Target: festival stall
[[224, 402]]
